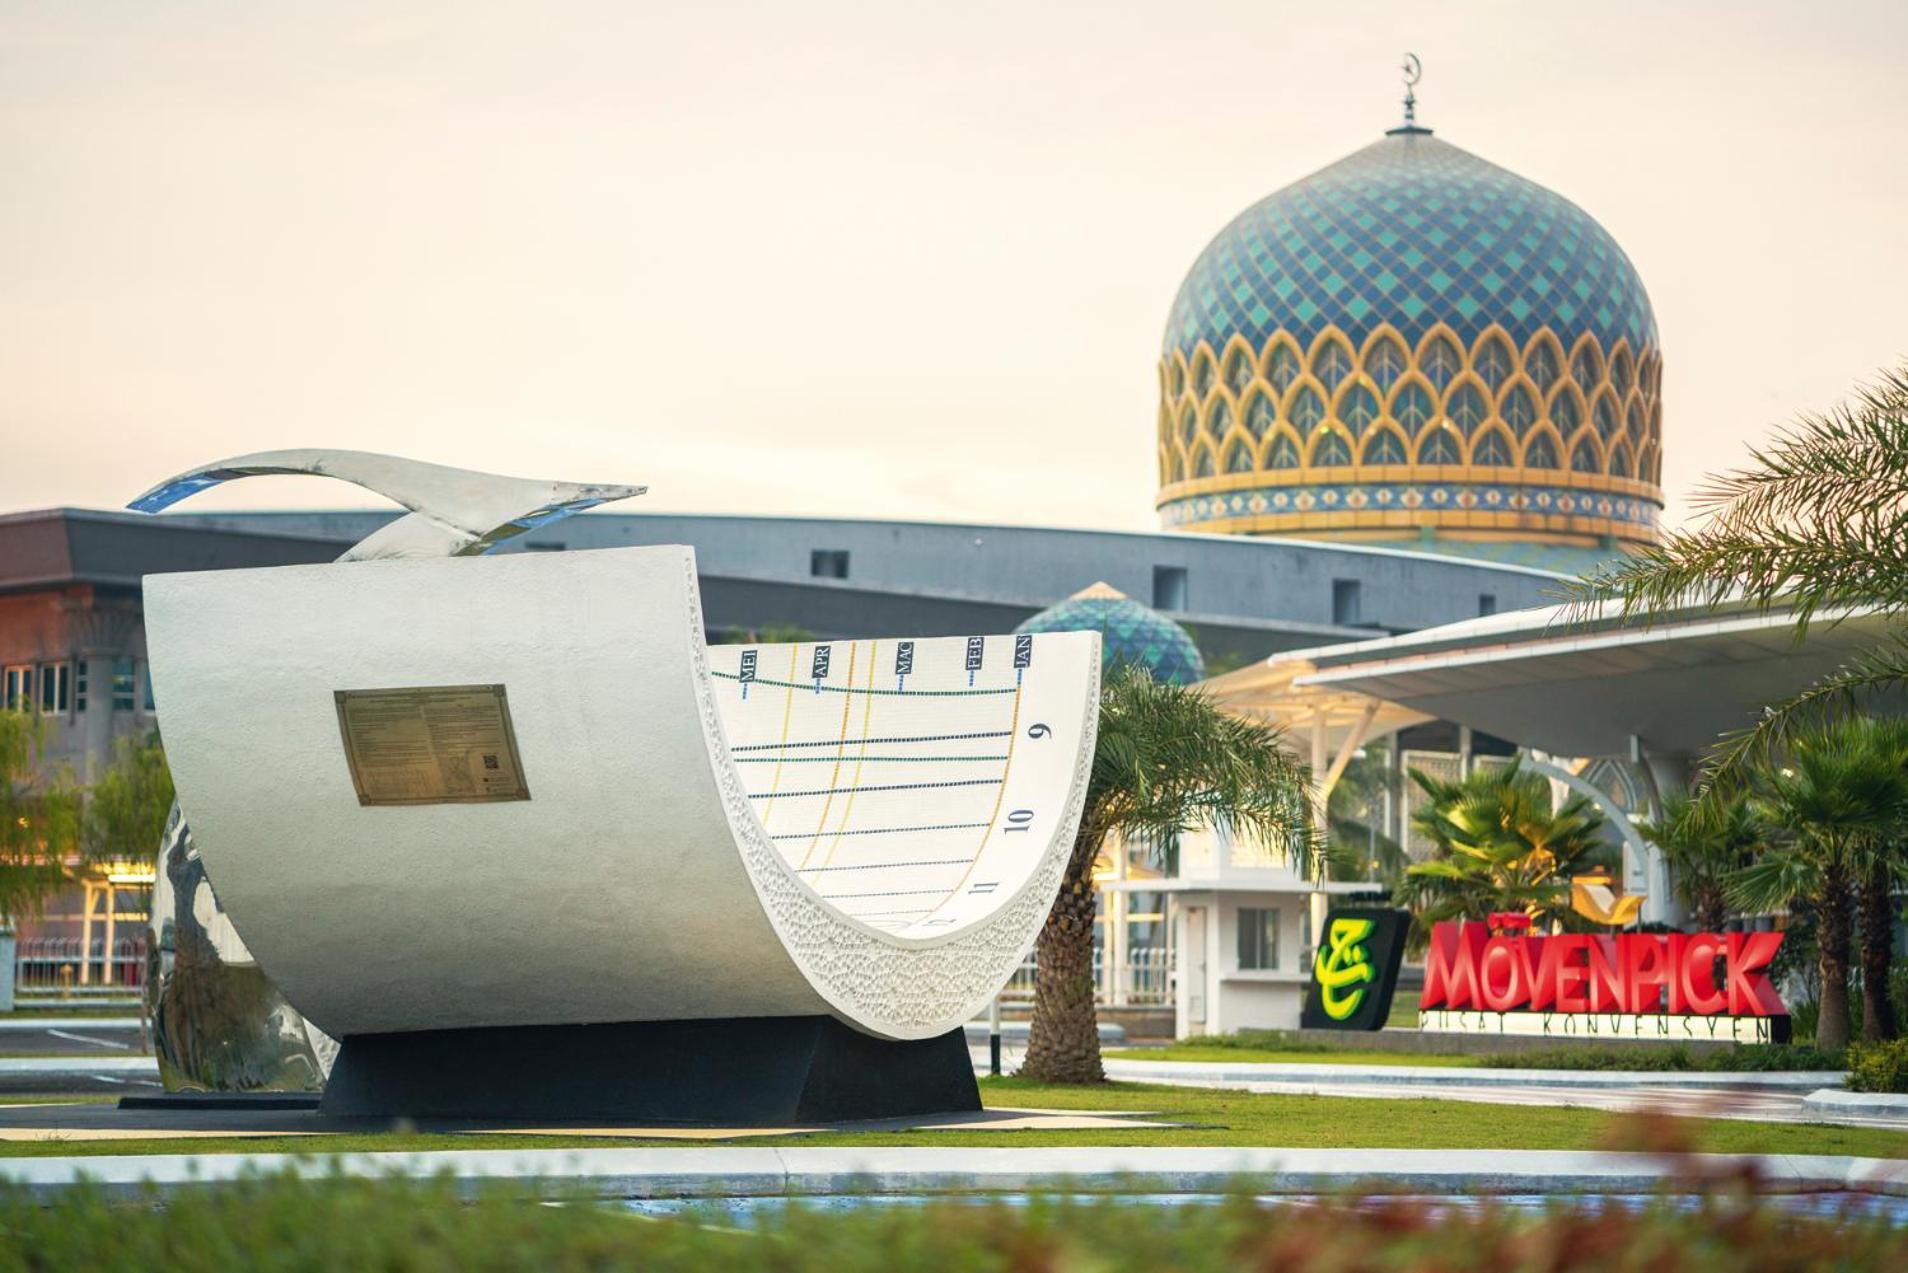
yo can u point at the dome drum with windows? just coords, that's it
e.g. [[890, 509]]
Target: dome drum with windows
[[1413, 342]]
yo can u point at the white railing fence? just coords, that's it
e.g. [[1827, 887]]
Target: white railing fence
[[58, 965], [1144, 980]]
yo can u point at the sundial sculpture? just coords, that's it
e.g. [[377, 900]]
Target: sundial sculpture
[[510, 832]]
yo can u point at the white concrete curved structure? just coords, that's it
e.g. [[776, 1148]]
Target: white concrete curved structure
[[866, 832]]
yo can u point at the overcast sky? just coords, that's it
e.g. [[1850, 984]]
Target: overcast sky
[[883, 259]]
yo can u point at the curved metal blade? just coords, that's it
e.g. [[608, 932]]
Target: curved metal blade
[[454, 512]]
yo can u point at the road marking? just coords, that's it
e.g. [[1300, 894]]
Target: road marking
[[80, 1038]]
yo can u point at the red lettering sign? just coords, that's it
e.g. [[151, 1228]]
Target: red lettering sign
[[1643, 974]]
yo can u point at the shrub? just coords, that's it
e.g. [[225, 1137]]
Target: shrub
[[1878, 1067]]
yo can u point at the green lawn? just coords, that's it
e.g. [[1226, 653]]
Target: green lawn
[[1216, 1118]]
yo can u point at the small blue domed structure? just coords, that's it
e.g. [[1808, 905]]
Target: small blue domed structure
[[1129, 633]]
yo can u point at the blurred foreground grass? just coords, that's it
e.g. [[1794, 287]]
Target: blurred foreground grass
[[280, 1223]]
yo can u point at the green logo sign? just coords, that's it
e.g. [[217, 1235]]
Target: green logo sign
[[1355, 969], [1343, 968]]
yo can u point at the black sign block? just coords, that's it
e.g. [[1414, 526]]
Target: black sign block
[[1355, 969]]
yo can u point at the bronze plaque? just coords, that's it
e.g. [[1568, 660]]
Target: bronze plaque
[[431, 744]]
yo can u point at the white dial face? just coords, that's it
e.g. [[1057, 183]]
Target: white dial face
[[913, 785]]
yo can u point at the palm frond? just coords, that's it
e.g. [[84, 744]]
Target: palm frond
[[1819, 520]]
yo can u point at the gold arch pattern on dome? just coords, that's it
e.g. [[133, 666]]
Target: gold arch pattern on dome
[[1553, 414]]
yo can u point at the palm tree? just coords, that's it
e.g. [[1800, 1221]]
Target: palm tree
[[1360, 851], [1839, 790], [1499, 845], [1167, 761], [1884, 860], [1704, 842], [1816, 524]]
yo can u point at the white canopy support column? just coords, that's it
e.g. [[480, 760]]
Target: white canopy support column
[[1274, 691]]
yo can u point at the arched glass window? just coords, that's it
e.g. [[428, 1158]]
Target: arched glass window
[[1384, 447], [1176, 376], [1284, 453], [1202, 375], [1619, 461], [1439, 447], [1329, 450], [1258, 414], [1385, 363], [1604, 413], [1282, 367], [1466, 407], [1440, 362], [1492, 449], [1239, 458], [1633, 423], [1493, 362], [1565, 414], [1358, 407], [1584, 458], [1586, 367], [1541, 453], [1411, 406], [1308, 409], [1188, 423], [1656, 423], [1239, 370], [1203, 466], [1220, 420], [1620, 373], [1520, 409], [1541, 366], [1331, 364]]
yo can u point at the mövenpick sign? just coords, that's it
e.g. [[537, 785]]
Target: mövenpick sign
[[1631, 985]]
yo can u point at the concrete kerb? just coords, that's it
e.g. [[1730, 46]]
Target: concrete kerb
[[1836, 1100], [761, 1172], [1220, 1073]]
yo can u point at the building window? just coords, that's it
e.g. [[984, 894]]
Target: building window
[[1258, 938], [828, 563], [16, 689], [1345, 602], [79, 685], [1487, 603], [124, 689], [53, 688], [1169, 587]]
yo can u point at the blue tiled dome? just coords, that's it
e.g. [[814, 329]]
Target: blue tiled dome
[[1129, 633], [1413, 344], [1411, 231]]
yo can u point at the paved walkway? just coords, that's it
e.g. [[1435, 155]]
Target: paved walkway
[[735, 1172]]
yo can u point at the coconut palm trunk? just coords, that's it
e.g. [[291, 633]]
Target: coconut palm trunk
[[1167, 761], [1832, 947], [1877, 952], [1063, 1044]]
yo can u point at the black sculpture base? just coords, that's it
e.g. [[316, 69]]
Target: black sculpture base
[[761, 1071]]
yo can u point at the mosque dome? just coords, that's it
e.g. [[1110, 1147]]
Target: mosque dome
[[1416, 344], [1129, 633]]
